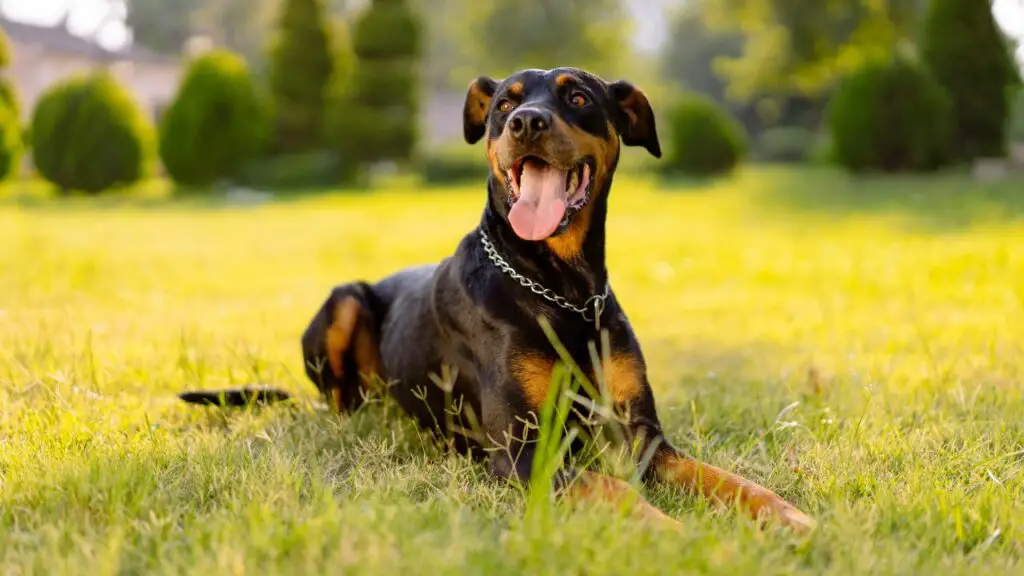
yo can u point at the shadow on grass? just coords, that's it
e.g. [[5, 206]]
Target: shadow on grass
[[935, 202]]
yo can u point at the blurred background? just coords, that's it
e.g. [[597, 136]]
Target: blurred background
[[275, 94]]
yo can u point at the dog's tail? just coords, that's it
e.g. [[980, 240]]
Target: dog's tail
[[246, 396]]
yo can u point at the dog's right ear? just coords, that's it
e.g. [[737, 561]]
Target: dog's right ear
[[474, 111]]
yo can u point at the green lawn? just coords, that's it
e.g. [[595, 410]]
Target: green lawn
[[854, 345]]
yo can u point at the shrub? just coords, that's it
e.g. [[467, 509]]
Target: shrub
[[706, 140], [7, 94], [10, 142], [965, 51], [301, 65], [454, 163], [378, 115], [890, 116], [318, 169], [1017, 117], [88, 134], [786, 144], [216, 123]]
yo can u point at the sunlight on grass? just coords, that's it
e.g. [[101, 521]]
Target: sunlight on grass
[[857, 353]]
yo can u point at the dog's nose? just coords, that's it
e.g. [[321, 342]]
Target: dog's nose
[[529, 123]]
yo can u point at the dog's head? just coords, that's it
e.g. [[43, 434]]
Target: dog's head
[[552, 141]]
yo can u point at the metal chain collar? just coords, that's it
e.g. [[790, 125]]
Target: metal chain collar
[[591, 309]]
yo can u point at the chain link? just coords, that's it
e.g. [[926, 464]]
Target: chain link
[[591, 309]]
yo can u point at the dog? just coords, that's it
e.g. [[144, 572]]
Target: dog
[[525, 293]]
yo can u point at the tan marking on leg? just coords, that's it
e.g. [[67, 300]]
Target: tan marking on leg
[[623, 377], [533, 372], [351, 331], [339, 333], [592, 487], [723, 487]]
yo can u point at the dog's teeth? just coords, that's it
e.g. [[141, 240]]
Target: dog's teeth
[[573, 181]]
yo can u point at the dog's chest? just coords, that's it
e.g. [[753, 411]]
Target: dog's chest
[[618, 377]]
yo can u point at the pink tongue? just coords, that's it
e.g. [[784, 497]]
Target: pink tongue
[[541, 204]]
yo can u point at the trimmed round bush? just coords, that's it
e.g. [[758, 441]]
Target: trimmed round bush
[[890, 116], [706, 139], [89, 134], [786, 144], [216, 124], [10, 142]]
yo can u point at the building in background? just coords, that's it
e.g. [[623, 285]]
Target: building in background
[[42, 56]]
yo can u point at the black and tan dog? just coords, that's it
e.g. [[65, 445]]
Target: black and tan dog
[[553, 141]]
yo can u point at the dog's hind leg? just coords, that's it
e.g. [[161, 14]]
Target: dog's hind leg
[[340, 347]]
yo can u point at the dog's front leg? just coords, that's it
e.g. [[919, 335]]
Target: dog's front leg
[[672, 467], [512, 449]]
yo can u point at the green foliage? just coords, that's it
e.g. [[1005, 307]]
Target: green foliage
[[160, 28], [966, 52], [806, 45], [5, 51], [8, 96], [1017, 117], [454, 163], [500, 36], [301, 68], [705, 139], [786, 144], [376, 117], [318, 169], [890, 116], [89, 134], [10, 142], [693, 49], [216, 124]]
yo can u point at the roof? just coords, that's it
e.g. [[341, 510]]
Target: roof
[[58, 39]]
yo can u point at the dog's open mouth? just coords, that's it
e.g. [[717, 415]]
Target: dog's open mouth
[[543, 197]]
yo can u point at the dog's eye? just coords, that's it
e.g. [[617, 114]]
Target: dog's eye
[[578, 99], [505, 106]]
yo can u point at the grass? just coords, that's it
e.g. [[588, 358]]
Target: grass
[[854, 345]]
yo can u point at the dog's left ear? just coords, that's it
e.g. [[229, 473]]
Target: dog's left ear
[[635, 118], [474, 111]]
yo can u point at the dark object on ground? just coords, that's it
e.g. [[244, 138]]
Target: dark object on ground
[[236, 396]]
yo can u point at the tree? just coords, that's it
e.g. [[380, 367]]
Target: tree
[[693, 60], [377, 118], [160, 28], [241, 26], [10, 141], [216, 123], [965, 50], [8, 97], [89, 134], [301, 67], [807, 45], [500, 36]]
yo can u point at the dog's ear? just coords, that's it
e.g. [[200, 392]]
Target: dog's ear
[[474, 111], [634, 117]]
